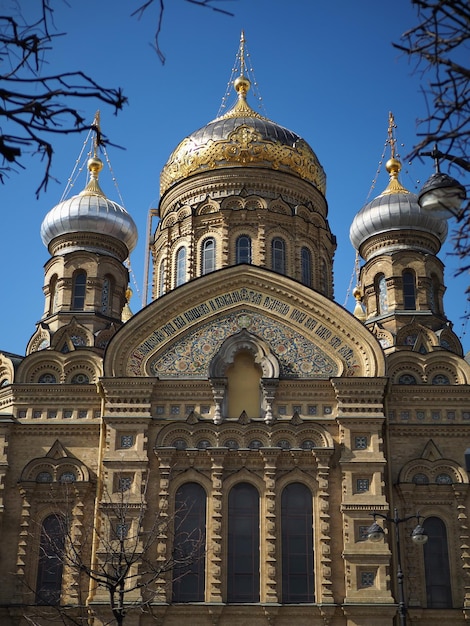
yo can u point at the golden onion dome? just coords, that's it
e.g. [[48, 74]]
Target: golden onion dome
[[243, 138]]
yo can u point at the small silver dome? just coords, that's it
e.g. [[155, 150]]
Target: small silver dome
[[394, 209], [90, 212]]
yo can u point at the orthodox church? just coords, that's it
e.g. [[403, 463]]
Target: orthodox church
[[222, 455]]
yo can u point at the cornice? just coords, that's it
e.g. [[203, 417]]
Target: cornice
[[38, 428]]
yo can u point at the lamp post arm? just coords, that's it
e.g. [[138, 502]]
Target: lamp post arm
[[437, 154]]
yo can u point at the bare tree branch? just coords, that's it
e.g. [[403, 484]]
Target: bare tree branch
[[438, 46]]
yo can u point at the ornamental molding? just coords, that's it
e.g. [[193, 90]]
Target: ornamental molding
[[244, 147], [312, 336]]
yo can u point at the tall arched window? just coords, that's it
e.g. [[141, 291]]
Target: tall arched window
[[161, 278], [409, 291], [50, 562], [243, 249], [190, 543], [53, 297], [208, 256], [243, 544], [180, 266], [323, 278], [297, 545], [382, 296], [306, 266], [434, 299], [79, 291], [278, 252], [436, 565]]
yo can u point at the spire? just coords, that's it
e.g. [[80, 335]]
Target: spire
[[242, 85], [393, 165], [95, 164]]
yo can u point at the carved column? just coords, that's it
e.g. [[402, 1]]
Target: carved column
[[162, 541], [219, 386], [269, 386], [464, 540], [22, 553], [324, 531], [214, 540], [270, 587]]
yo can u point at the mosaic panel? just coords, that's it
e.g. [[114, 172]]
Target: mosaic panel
[[298, 357]]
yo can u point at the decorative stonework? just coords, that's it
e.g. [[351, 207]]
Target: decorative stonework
[[298, 357], [244, 147]]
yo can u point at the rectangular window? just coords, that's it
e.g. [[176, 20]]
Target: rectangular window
[[362, 485], [367, 579], [124, 483], [360, 442], [126, 441]]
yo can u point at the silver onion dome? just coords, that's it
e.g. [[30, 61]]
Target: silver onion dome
[[90, 212], [394, 209]]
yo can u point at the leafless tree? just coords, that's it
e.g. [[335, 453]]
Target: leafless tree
[[35, 106], [439, 48], [124, 559]]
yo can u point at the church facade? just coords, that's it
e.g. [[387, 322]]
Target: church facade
[[229, 446]]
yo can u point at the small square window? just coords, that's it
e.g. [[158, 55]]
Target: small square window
[[404, 415], [82, 414], [37, 414], [362, 485], [175, 409], [122, 530], [420, 415], [466, 415], [22, 413], [282, 409], [451, 415], [189, 408], [327, 410], [391, 415], [363, 533], [68, 414], [360, 442], [51, 414], [97, 414], [127, 441], [205, 409], [124, 483], [312, 409], [367, 579], [297, 408], [436, 415], [160, 409]]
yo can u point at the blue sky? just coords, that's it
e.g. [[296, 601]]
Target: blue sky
[[326, 70]]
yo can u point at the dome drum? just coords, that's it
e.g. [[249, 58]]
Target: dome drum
[[88, 242], [220, 184]]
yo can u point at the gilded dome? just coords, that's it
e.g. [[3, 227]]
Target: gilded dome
[[90, 212], [243, 138], [393, 210]]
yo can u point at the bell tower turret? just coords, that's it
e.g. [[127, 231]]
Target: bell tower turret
[[89, 238], [402, 280]]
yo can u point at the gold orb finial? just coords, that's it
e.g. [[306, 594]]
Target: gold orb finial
[[393, 166], [95, 165], [241, 85]]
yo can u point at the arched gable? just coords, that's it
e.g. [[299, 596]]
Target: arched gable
[[179, 334]]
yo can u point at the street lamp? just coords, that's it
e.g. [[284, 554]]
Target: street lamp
[[441, 194], [375, 533]]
